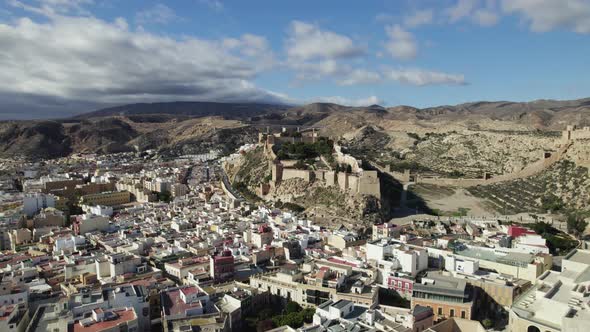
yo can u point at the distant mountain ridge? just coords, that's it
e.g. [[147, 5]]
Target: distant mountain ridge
[[540, 114], [187, 108], [178, 126]]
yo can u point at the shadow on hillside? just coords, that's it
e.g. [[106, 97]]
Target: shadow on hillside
[[391, 194]]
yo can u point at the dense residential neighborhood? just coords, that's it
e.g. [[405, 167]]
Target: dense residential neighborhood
[[294, 166], [132, 242]]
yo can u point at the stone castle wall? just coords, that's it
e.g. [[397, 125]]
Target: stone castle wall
[[530, 170], [369, 184], [291, 173], [364, 183], [358, 182], [342, 158], [572, 133]]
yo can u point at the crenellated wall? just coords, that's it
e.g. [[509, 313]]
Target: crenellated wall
[[292, 173], [364, 182], [358, 182], [347, 159], [549, 159], [572, 133]]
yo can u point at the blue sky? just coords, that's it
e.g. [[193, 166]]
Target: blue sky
[[71, 56]]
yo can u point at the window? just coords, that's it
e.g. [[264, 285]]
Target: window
[[462, 313], [452, 313], [440, 310]]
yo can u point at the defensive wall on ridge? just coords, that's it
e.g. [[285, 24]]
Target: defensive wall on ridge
[[367, 182], [569, 137]]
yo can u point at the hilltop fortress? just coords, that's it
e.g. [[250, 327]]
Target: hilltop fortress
[[353, 179], [571, 133], [579, 138]]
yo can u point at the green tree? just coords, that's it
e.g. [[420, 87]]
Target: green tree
[[308, 314], [292, 307], [300, 165], [576, 224], [165, 196], [456, 174], [542, 228], [551, 202], [265, 313]]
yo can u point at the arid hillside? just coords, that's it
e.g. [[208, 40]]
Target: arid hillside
[[178, 127], [50, 139], [327, 205]]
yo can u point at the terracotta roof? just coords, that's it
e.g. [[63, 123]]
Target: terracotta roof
[[123, 315]]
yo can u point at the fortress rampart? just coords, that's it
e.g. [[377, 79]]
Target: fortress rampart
[[549, 158], [363, 182], [358, 181], [573, 133]]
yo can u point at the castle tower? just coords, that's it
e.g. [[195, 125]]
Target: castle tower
[[277, 172], [567, 133]]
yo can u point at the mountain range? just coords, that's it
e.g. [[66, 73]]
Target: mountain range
[[187, 127]]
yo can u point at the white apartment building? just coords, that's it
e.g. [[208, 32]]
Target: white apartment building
[[91, 223], [99, 210], [393, 255], [466, 266], [68, 243], [33, 203], [558, 301], [531, 243]]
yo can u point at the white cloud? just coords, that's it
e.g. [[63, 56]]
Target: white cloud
[[254, 47], [360, 76], [315, 54], [53, 7], [313, 71], [401, 43], [477, 11], [545, 15], [485, 17], [420, 17], [88, 59], [371, 100], [462, 9], [215, 5], [307, 42], [159, 13], [421, 77]]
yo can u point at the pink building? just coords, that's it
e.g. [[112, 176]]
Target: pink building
[[516, 231], [222, 266], [401, 284]]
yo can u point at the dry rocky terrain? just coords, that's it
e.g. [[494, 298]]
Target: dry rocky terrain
[[50, 139], [455, 141], [327, 205]]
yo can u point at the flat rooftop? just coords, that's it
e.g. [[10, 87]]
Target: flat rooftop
[[491, 256], [579, 256], [117, 317], [551, 300], [443, 285]]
